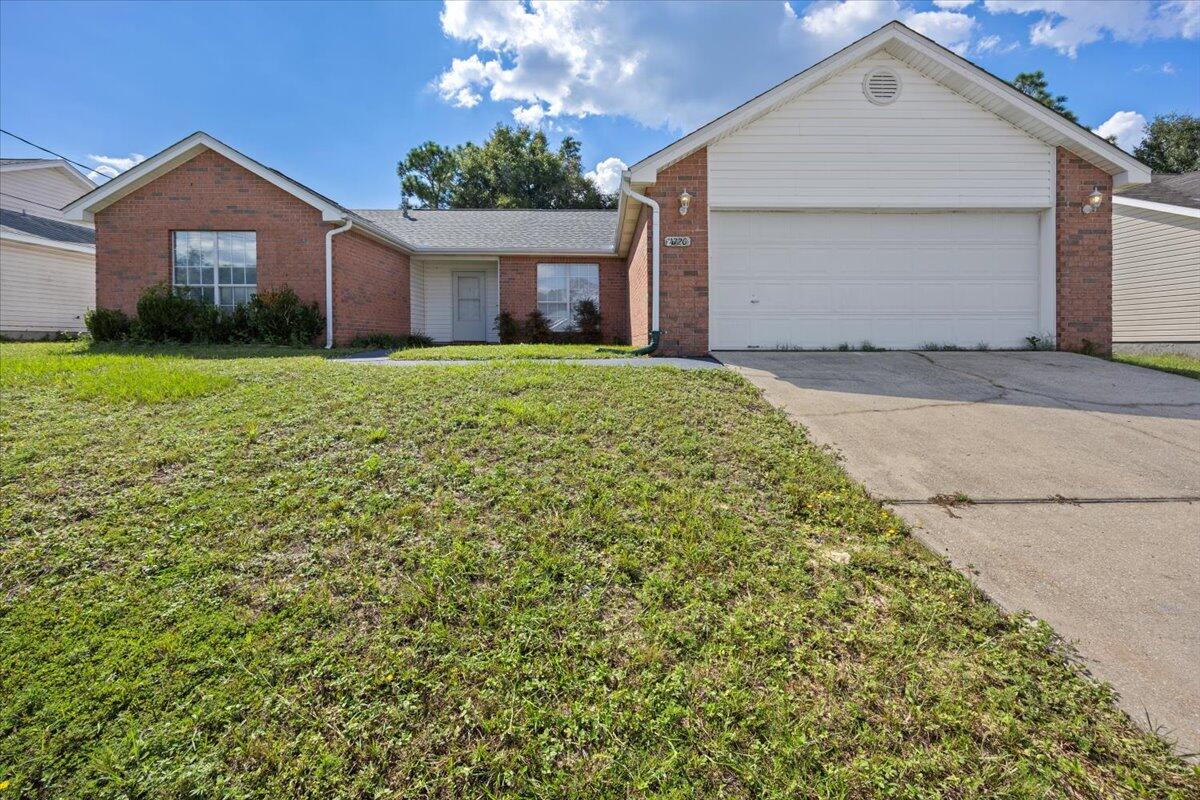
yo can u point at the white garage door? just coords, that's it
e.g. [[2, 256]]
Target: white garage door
[[814, 280]]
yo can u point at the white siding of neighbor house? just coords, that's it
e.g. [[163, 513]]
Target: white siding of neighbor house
[[432, 302], [1156, 276], [48, 189], [833, 148], [44, 290]]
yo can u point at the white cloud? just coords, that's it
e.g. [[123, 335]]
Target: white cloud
[[993, 44], [1067, 25], [669, 65], [1127, 126], [953, 5], [112, 166], [607, 174], [948, 28], [1167, 69]]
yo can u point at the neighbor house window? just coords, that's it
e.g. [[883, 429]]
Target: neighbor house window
[[219, 267], [561, 286]]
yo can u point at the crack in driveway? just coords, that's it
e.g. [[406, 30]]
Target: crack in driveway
[[1051, 500]]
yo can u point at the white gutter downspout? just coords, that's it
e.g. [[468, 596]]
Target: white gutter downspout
[[655, 333], [329, 280]]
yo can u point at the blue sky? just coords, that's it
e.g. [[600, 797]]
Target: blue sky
[[334, 94]]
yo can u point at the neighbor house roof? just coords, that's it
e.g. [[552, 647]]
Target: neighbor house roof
[[1176, 193], [526, 231], [27, 228], [21, 164]]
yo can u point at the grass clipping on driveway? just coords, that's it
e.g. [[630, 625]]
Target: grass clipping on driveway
[[317, 580], [511, 352]]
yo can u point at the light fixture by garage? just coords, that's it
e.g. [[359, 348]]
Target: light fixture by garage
[[1094, 200], [685, 200]]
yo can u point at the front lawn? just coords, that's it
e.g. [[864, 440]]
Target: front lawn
[[1188, 366], [510, 352], [292, 577]]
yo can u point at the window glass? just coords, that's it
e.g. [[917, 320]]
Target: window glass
[[219, 267], [561, 286]]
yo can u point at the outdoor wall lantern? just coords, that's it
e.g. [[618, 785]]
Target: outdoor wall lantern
[[685, 200], [1094, 200]]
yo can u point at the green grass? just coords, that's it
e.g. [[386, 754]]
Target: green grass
[[510, 352], [314, 579], [1188, 366]]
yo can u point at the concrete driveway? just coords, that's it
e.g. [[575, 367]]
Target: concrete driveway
[[1086, 480]]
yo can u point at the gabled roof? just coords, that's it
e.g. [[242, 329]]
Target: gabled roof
[[499, 231], [30, 229], [1178, 194], [928, 57], [183, 151], [21, 164]]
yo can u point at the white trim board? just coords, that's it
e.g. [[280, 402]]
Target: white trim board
[[38, 241], [974, 84], [1166, 208]]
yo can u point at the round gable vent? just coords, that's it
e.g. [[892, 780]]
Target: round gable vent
[[881, 86]]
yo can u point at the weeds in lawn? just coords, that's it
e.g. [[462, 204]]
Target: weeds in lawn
[[516, 580]]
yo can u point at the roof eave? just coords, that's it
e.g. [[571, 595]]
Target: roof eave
[[1151, 205]]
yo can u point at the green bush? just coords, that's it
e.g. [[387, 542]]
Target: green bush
[[166, 314], [508, 328], [280, 317], [587, 322], [107, 324], [391, 341], [536, 329]]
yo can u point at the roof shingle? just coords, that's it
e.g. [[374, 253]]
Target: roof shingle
[[499, 230], [1176, 190], [52, 229]]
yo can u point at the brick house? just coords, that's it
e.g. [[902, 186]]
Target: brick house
[[893, 193]]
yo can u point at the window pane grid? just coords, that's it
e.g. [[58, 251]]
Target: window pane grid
[[219, 267], [561, 286]]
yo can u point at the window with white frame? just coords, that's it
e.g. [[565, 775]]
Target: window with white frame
[[561, 286], [220, 267]]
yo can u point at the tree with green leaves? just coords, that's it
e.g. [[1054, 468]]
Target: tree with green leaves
[[1034, 84], [427, 174], [1172, 144], [513, 168]]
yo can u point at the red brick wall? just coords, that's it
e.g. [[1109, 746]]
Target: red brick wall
[[637, 270], [210, 192], [370, 288], [518, 290], [683, 271], [1084, 255]]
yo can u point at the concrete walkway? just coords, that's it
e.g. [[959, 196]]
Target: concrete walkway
[[380, 357], [1086, 480]]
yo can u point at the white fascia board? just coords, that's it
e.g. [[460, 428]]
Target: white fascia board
[[132, 179], [22, 238], [518, 251], [1166, 208], [1131, 170], [646, 170], [1134, 171]]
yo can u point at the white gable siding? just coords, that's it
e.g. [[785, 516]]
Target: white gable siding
[[38, 192], [1156, 276], [44, 290], [833, 148], [436, 301]]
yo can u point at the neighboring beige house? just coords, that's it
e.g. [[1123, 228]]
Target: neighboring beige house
[[47, 265], [1156, 264]]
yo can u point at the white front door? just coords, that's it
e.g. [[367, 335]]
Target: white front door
[[812, 280], [470, 325]]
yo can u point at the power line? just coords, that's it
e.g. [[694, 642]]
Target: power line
[[27, 200], [59, 155]]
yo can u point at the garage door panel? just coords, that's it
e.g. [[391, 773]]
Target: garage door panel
[[802, 279]]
